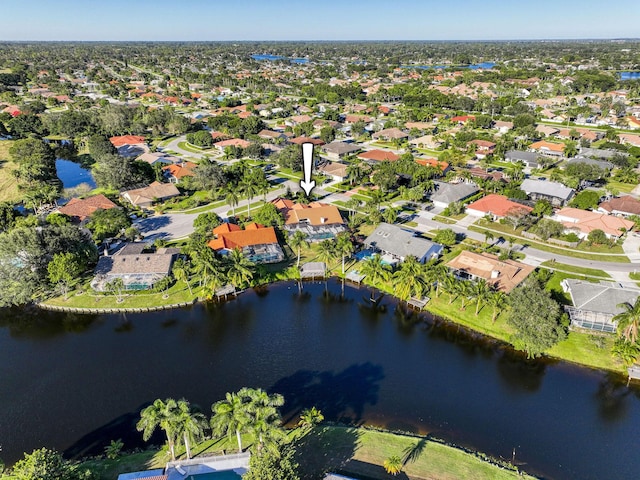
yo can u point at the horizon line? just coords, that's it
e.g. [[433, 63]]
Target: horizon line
[[332, 40]]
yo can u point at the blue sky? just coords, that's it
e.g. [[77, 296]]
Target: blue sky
[[318, 20]]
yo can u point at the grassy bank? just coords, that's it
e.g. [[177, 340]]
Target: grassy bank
[[355, 451], [8, 185]]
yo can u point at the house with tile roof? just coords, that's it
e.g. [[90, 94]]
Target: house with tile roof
[[80, 209], [258, 243], [301, 140], [502, 275], [334, 170], [547, 148], [232, 142], [583, 222], [337, 150], [483, 147], [175, 172], [129, 145], [624, 206], [433, 163], [497, 206], [379, 156], [390, 134], [426, 141], [146, 196], [595, 304], [319, 221]]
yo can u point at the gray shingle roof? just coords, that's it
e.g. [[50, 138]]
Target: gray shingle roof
[[531, 158], [341, 148], [589, 161], [452, 192], [551, 189], [603, 297], [401, 243]]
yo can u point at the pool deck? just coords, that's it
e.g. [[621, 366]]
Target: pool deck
[[238, 462]]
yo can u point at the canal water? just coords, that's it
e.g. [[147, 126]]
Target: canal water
[[72, 174], [75, 382]]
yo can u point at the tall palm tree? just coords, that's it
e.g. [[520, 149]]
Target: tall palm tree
[[481, 291], [250, 189], [327, 251], [180, 271], [629, 321], [239, 269], [310, 417], [344, 247], [189, 424], [464, 289], [435, 274], [409, 279], [265, 421], [160, 414], [497, 301], [232, 199], [297, 241], [374, 268], [449, 284], [230, 416]]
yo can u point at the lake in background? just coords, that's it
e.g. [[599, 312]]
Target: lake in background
[[75, 382], [73, 174], [629, 75], [270, 57]]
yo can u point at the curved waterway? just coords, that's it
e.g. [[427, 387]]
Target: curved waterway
[[75, 382]]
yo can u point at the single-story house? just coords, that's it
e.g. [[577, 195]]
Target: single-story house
[[530, 159], [390, 134], [630, 139], [502, 127], [232, 142], [463, 119], [258, 243], [137, 269], [378, 156], [177, 171], [144, 197], [483, 147], [580, 159], [301, 140], [434, 163], [426, 141], [624, 206], [502, 275], [554, 192], [599, 153], [80, 209], [498, 206], [337, 150], [584, 222], [319, 221], [271, 135], [335, 170], [156, 157], [445, 193], [547, 148], [595, 304], [129, 145], [399, 243]]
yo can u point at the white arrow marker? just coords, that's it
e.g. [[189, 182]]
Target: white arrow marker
[[307, 162]]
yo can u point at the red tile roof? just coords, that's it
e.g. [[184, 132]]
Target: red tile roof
[[179, 170], [230, 236], [498, 205], [433, 162], [233, 142], [126, 140], [301, 140], [83, 208], [379, 155], [542, 146], [463, 118]]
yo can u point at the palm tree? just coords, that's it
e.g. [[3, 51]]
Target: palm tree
[[189, 424], [250, 189], [497, 301], [230, 416], [310, 417], [488, 236], [265, 421], [464, 289], [450, 286], [239, 269], [393, 465], [344, 247], [181, 272], [352, 205], [374, 268], [436, 273], [629, 321], [232, 199], [327, 251], [160, 414], [570, 149], [390, 215], [481, 291], [409, 279], [297, 241]]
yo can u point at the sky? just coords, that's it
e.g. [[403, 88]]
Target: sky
[[211, 20]]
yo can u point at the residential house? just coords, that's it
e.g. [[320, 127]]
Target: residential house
[[389, 134], [80, 209], [503, 275], [583, 222], [595, 304], [630, 139], [447, 193], [271, 135], [146, 196], [623, 206], [129, 145], [497, 206], [378, 156], [319, 221], [138, 270], [554, 192], [502, 127], [603, 164], [258, 243], [297, 120], [337, 150], [483, 147], [433, 163], [301, 140], [156, 157], [232, 142], [397, 244], [426, 141], [334, 170], [175, 172], [530, 159], [463, 119], [547, 148], [600, 154]]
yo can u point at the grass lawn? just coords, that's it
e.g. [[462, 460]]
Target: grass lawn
[[621, 187], [361, 452], [194, 149], [446, 220], [589, 272], [8, 184], [588, 349]]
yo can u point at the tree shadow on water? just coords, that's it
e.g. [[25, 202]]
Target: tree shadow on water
[[340, 396]]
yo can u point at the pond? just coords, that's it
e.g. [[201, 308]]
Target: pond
[[76, 382], [270, 57], [629, 75], [72, 174]]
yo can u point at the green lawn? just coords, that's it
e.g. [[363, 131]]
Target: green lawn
[[621, 187], [588, 349], [589, 272], [446, 220], [9, 191], [195, 149]]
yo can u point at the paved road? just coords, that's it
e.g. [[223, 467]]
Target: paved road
[[173, 146]]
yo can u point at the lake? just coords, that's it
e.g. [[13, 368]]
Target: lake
[[72, 174], [477, 66], [270, 57], [75, 382], [629, 75]]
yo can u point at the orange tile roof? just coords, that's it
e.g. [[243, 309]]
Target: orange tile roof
[[315, 213], [230, 236], [83, 208], [463, 118], [179, 170], [126, 140], [379, 155], [301, 140], [587, 221], [542, 145], [509, 273], [433, 162], [498, 205], [233, 142]]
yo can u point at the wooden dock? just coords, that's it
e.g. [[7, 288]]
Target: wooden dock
[[418, 303]]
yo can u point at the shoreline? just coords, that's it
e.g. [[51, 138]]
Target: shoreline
[[429, 309]]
